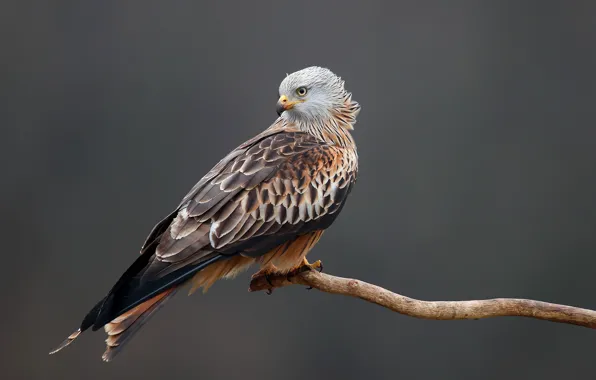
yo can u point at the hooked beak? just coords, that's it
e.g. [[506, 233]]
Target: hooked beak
[[283, 104]]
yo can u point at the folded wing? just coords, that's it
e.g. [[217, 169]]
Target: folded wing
[[267, 192]]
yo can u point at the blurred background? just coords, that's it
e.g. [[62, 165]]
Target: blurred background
[[477, 180]]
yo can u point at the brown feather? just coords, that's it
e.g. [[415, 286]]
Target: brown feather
[[123, 327], [223, 269], [267, 201], [289, 255]]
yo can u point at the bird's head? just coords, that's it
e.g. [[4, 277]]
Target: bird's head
[[312, 93]]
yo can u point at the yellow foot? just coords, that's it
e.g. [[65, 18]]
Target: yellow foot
[[305, 266], [270, 277], [318, 265]]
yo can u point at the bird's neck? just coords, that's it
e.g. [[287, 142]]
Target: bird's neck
[[333, 128], [330, 130]]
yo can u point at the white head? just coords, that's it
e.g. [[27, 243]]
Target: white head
[[312, 94]]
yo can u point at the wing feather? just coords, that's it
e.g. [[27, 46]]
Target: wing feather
[[267, 192]]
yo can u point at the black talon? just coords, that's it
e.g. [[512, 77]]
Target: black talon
[[270, 290], [320, 267]]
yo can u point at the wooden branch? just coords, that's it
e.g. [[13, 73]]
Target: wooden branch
[[439, 310]]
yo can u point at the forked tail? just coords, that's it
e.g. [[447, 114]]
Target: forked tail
[[130, 303], [124, 327]]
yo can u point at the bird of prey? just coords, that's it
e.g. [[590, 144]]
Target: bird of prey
[[266, 202]]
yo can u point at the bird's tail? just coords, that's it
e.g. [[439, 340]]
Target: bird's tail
[[67, 341], [128, 306], [122, 328]]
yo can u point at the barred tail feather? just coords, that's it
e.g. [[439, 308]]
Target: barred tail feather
[[128, 307], [124, 327], [87, 322], [67, 341]]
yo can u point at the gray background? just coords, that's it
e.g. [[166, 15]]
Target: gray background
[[476, 143]]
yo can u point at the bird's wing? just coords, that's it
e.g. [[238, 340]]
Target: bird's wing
[[265, 193], [160, 227]]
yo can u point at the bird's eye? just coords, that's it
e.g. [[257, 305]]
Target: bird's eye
[[301, 91]]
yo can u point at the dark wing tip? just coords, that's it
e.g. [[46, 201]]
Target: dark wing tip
[[67, 341]]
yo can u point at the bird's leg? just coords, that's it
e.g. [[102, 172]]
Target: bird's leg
[[273, 274], [304, 266], [317, 265], [267, 271]]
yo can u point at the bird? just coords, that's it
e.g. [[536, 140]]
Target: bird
[[267, 202]]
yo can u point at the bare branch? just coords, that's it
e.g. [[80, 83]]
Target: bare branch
[[439, 310]]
